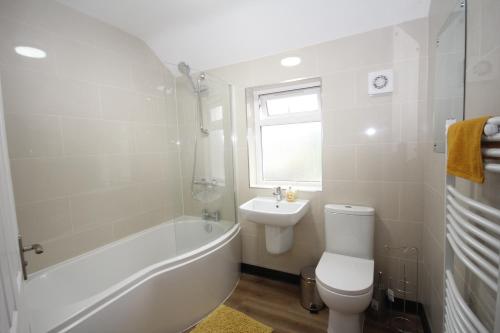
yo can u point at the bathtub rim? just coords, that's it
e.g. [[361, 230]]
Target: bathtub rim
[[121, 288], [180, 219]]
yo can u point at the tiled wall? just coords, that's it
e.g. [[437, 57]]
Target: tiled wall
[[482, 98], [92, 130], [384, 171]]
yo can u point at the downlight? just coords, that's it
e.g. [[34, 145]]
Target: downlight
[[30, 52], [290, 61]]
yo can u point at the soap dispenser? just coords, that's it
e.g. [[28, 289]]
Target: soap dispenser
[[290, 195]]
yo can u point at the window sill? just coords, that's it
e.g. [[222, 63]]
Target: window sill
[[300, 188]]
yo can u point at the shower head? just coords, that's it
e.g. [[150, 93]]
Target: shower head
[[184, 68]]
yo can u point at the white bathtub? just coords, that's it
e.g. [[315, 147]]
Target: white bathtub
[[163, 279]]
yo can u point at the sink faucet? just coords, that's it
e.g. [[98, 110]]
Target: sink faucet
[[206, 215], [278, 194]]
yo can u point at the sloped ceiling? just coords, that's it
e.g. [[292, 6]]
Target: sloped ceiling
[[213, 33]]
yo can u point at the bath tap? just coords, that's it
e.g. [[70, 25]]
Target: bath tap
[[278, 194], [206, 215], [37, 248]]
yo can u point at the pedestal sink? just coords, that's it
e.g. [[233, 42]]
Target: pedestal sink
[[279, 217]]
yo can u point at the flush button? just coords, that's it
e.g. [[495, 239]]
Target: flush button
[[348, 206]]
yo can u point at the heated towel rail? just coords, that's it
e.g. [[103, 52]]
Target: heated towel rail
[[473, 237], [491, 135]]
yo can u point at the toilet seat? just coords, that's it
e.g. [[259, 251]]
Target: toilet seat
[[345, 275]]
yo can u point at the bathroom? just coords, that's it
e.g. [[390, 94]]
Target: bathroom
[[172, 166]]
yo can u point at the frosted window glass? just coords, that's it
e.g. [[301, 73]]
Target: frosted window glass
[[292, 152], [292, 104]]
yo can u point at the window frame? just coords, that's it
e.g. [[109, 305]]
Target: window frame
[[259, 96]]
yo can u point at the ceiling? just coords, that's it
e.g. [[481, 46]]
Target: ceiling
[[213, 33]]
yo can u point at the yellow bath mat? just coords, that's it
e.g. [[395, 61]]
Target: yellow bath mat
[[227, 320]]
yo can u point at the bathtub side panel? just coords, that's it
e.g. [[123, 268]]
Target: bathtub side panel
[[173, 300]]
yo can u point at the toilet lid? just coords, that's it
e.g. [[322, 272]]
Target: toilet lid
[[345, 275]]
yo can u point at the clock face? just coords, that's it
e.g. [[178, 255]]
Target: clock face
[[380, 82]]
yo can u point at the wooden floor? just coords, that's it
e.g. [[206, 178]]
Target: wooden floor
[[277, 304]]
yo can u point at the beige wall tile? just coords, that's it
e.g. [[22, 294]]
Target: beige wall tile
[[67, 247], [150, 167], [81, 136], [128, 105], [414, 125], [154, 196], [38, 179], [349, 126], [44, 220], [33, 135], [384, 197], [412, 202], [116, 138], [151, 138], [390, 162], [397, 234], [434, 213], [338, 90], [339, 162], [86, 130], [384, 171], [133, 224], [49, 94], [102, 207], [147, 78], [88, 136], [91, 239], [84, 174]]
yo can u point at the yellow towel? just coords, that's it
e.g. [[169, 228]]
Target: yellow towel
[[226, 320], [464, 149]]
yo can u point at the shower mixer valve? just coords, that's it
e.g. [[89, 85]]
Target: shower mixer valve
[[206, 215]]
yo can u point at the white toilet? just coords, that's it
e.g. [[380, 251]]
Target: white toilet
[[344, 275]]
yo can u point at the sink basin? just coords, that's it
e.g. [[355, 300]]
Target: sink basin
[[278, 218], [266, 210]]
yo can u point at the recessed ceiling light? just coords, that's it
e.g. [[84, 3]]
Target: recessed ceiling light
[[30, 52], [370, 131], [290, 61]]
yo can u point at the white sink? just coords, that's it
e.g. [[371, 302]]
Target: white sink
[[279, 217]]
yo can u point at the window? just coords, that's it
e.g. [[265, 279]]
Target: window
[[284, 127]]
